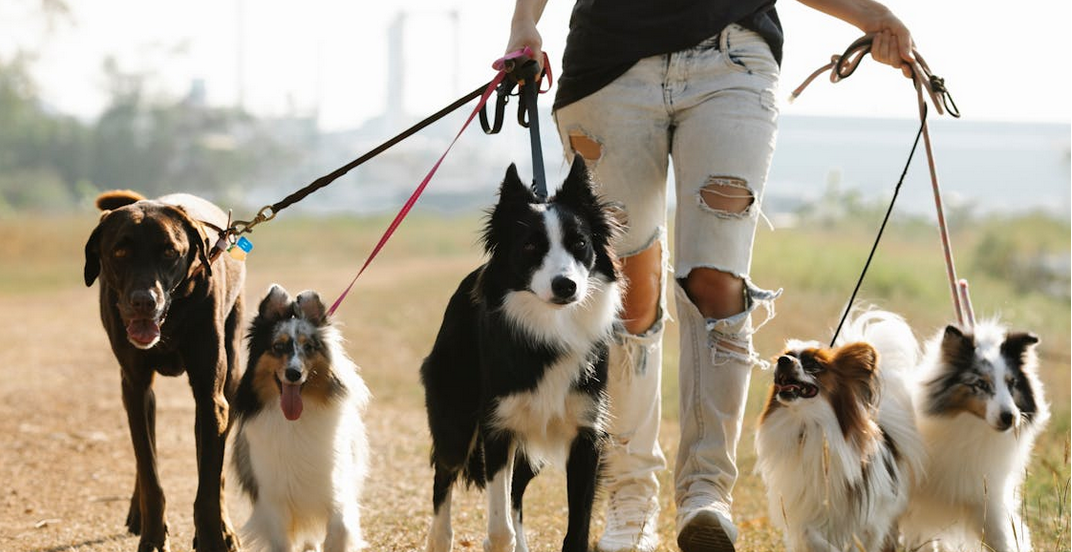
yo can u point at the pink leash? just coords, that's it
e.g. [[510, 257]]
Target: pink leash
[[840, 67], [503, 66]]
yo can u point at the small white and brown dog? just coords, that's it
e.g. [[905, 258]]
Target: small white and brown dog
[[980, 406], [837, 445], [300, 451]]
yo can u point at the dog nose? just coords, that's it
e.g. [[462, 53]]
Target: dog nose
[[143, 301], [1006, 419], [563, 287], [786, 363], [292, 375]]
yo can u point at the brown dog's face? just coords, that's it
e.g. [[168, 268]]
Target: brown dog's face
[[142, 252]]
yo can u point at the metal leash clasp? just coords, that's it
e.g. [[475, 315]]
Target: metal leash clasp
[[240, 227]]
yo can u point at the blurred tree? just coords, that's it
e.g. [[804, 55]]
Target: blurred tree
[[36, 147], [51, 161]]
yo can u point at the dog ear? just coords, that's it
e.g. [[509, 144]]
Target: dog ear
[[858, 356], [1018, 343], [93, 267], [953, 333], [577, 188], [859, 363], [198, 241], [1021, 340], [276, 305], [958, 346], [513, 189], [309, 306]]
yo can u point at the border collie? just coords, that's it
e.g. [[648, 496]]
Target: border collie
[[517, 377], [300, 452], [980, 406], [837, 444]]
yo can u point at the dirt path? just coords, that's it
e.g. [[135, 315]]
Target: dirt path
[[67, 466]]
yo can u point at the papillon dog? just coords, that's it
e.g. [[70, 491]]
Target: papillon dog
[[300, 451], [517, 376], [837, 444], [980, 406]]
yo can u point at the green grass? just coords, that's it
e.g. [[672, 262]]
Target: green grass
[[394, 310]]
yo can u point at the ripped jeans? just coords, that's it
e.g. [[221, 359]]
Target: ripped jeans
[[711, 110]]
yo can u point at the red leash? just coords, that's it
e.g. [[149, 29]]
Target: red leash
[[504, 66], [417, 193]]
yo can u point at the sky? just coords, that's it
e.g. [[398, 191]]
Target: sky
[[1001, 60]]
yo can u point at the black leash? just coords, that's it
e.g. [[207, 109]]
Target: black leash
[[881, 229], [525, 76], [269, 212], [844, 65]]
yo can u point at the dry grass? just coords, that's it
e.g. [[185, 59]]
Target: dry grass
[[67, 465]]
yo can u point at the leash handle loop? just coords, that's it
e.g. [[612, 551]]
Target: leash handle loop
[[845, 65], [521, 70]]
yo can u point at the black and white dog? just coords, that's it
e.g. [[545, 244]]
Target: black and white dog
[[517, 377]]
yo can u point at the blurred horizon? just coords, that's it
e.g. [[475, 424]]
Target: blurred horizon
[[170, 118]]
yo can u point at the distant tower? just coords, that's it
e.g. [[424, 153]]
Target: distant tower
[[396, 71], [455, 20], [240, 54]]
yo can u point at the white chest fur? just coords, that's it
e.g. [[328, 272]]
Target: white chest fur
[[309, 464], [547, 418]]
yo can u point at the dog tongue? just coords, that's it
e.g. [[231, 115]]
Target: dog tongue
[[143, 330], [291, 401]]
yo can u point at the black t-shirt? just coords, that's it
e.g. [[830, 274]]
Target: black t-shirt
[[607, 37]]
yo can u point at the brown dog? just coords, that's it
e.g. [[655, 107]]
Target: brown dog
[[167, 309]]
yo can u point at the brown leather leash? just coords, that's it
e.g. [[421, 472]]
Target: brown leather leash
[[923, 79]]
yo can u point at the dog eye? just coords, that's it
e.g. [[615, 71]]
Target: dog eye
[[811, 366], [308, 347], [580, 244], [980, 386], [529, 247], [120, 253], [170, 253], [279, 348]]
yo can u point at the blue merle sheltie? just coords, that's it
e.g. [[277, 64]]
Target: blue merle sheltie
[[300, 451], [517, 377], [980, 406]]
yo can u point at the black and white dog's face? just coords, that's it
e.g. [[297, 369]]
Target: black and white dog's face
[[989, 373], [556, 249]]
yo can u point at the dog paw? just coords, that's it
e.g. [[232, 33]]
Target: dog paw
[[134, 520], [228, 541], [154, 545], [499, 543]]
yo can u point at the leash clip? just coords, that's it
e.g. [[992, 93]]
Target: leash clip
[[240, 227]]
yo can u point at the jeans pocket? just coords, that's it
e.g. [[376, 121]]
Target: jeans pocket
[[745, 51]]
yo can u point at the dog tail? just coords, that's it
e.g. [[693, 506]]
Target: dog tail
[[474, 472], [115, 199]]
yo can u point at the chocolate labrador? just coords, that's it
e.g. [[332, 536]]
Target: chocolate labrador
[[168, 309]]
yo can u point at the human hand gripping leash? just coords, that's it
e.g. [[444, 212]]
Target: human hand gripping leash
[[844, 65], [523, 71]]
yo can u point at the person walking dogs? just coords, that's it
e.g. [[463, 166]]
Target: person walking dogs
[[643, 82]]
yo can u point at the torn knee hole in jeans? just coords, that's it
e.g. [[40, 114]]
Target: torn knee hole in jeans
[[726, 196], [731, 347], [585, 146]]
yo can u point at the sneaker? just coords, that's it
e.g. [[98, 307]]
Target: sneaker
[[706, 530], [632, 514]]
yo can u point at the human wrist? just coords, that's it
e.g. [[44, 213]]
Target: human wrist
[[872, 17]]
